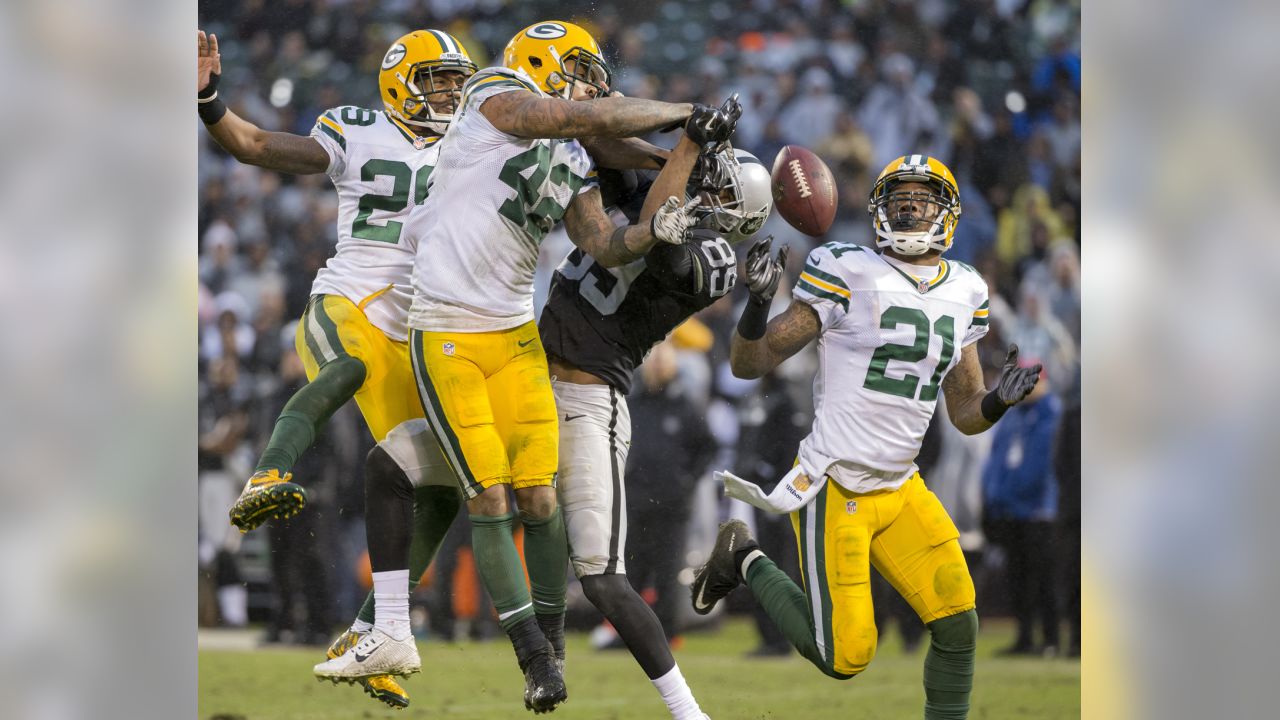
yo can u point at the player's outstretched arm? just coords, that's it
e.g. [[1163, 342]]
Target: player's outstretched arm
[[247, 142], [662, 218], [527, 115], [972, 409], [625, 153], [759, 344], [785, 336]]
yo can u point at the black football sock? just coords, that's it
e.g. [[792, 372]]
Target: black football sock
[[434, 509], [634, 620], [388, 501]]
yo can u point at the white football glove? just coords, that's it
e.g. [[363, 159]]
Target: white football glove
[[673, 220]]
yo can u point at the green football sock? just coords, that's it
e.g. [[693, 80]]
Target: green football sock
[[546, 552], [307, 412], [786, 604], [500, 568], [948, 668], [434, 509]]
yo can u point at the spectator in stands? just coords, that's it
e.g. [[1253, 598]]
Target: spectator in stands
[[895, 113], [1020, 507]]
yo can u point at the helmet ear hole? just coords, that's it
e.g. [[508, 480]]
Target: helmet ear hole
[[536, 62], [393, 94]]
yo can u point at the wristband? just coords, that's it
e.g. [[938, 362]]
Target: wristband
[[992, 408], [211, 109], [754, 320]]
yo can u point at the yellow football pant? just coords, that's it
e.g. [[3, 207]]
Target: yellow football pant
[[906, 534], [334, 327], [487, 397]]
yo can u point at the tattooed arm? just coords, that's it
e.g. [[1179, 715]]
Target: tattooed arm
[[786, 335], [625, 153], [527, 115], [590, 228], [284, 152], [965, 389]]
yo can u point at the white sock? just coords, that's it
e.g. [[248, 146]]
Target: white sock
[[391, 603], [361, 627], [746, 562], [676, 694]]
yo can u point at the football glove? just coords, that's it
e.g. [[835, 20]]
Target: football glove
[[708, 126], [672, 221], [763, 271], [1015, 382]]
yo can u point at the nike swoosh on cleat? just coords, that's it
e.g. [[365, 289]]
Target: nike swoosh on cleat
[[361, 658], [698, 602]]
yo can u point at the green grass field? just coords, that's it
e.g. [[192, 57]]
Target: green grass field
[[481, 681]]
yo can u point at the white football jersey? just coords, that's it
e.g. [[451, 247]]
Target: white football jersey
[[380, 170], [493, 198], [887, 341]]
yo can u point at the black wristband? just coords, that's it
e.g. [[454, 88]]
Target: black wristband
[[211, 110], [992, 408], [754, 320]]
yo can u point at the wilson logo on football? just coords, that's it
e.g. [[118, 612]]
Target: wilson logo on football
[[801, 181]]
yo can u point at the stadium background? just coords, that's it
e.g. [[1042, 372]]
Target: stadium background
[[991, 87]]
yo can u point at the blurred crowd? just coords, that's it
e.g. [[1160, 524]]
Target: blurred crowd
[[990, 87]]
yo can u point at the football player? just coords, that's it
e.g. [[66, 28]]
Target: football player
[[509, 169], [893, 327], [597, 326], [352, 336]]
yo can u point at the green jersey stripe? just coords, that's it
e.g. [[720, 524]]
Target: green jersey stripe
[[980, 321], [816, 291], [342, 142], [814, 271]]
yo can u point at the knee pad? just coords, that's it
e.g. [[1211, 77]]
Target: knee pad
[[384, 476], [608, 592], [956, 633], [348, 372]]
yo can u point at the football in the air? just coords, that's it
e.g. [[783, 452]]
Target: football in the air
[[804, 191]]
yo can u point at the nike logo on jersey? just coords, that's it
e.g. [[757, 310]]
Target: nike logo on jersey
[[571, 418], [526, 342]]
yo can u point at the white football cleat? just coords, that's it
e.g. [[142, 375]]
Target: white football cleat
[[376, 654]]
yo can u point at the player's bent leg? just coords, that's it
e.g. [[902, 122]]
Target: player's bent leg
[[331, 341], [919, 554]]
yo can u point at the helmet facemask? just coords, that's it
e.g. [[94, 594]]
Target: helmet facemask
[[587, 68], [727, 207], [420, 84], [914, 221]]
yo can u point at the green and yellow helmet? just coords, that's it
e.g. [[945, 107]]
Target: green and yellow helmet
[[406, 77], [543, 50], [915, 222]]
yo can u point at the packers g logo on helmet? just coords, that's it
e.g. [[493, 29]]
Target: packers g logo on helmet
[[543, 50], [546, 31], [932, 225], [408, 77]]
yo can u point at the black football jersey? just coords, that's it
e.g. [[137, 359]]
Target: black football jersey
[[604, 320]]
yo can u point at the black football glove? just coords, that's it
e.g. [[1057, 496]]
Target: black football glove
[[1015, 382], [763, 272], [708, 126]]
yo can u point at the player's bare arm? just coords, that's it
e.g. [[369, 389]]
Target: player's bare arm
[[248, 143], [786, 335], [527, 115], [662, 218], [972, 409], [625, 153]]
